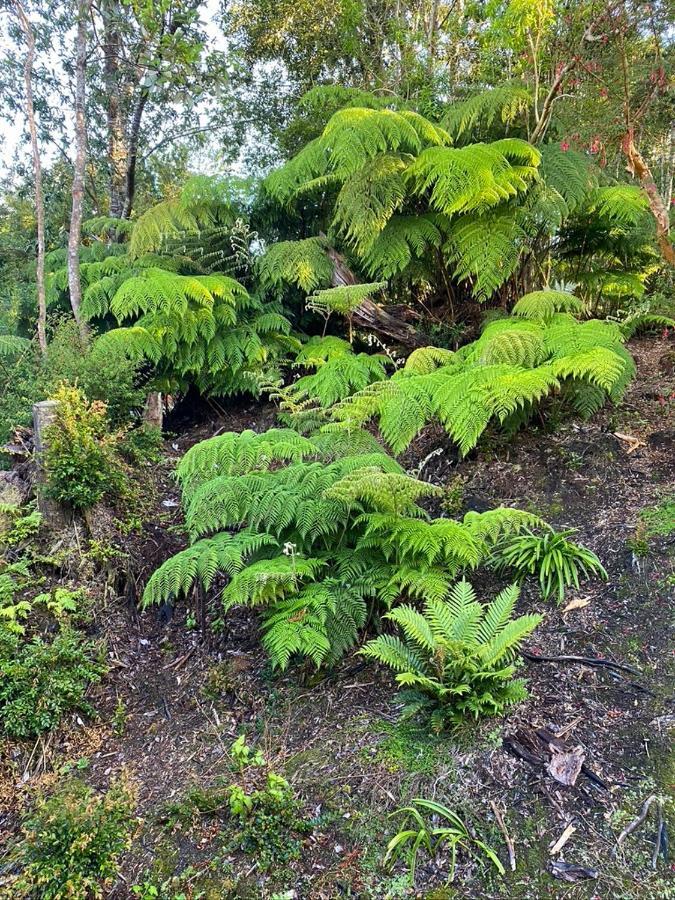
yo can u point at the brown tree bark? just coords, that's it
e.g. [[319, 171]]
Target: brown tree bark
[[370, 314], [638, 168], [117, 144], [37, 175], [74, 237]]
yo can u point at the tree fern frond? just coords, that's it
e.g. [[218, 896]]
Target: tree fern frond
[[300, 263], [269, 580], [504, 103], [403, 239], [543, 305], [485, 250], [569, 173], [201, 562]]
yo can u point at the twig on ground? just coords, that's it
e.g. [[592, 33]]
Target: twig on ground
[[507, 838]]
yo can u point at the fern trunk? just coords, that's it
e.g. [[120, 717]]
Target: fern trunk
[[370, 314]]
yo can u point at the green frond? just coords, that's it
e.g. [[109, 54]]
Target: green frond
[[414, 626], [368, 199], [240, 453], [543, 305], [485, 250], [403, 240], [473, 178], [392, 652], [504, 104], [269, 580], [337, 378], [344, 299], [645, 322], [568, 173], [621, 204], [303, 264], [380, 491], [11, 345], [426, 360], [224, 553], [352, 138]]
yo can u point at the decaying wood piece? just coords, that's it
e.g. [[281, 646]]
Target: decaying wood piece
[[370, 314], [562, 840], [537, 746], [571, 871], [565, 765]]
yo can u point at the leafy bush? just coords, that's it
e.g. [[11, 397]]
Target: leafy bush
[[73, 841], [80, 459], [101, 373], [457, 657], [41, 682], [432, 826], [550, 556], [268, 818], [142, 445], [268, 821]]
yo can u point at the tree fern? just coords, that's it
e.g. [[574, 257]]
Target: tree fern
[[204, 329], [203, 205], [457, 656], [622, 204]]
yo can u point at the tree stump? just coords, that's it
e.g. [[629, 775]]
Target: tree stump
[[54, 515]]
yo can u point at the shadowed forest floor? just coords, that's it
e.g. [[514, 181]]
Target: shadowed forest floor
[[176, 698]]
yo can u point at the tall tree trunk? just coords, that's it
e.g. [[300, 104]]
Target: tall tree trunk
[[638, 168], [117, 144], [132, 159], [37, 175], [74, 282]]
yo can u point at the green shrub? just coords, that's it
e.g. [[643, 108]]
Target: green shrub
[[268, 818], [40, 682], [269, 821], [73, 841], [457, 657], [80, 459], [105, 374], [555, 560], [142, 445]]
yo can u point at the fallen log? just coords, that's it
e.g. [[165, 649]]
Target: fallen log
[[371, 315]]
